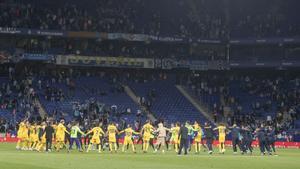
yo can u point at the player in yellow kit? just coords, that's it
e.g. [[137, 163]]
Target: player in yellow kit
[[174, 138], [146, 131], [198, 137], [25, 136], [60, 135], [128, 138], [33, 136], [20, 142], [97, 134], [222, 134], [111, 132]]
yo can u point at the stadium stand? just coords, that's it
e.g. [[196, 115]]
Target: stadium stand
[[88, 31], [164, 100], [205, 19]]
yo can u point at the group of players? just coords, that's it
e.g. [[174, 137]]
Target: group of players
[[39, 137]]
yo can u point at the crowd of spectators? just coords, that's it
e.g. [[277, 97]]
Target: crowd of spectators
[[281, 92], [110, 16], [18, 97], [205, 19], [89, 110], [264, 26], [54, 94], [264, 19], [274, 99]]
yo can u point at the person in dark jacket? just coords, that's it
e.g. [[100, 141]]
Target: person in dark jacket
[[262, 140], [249, 139], [209, 135], [271, 138], [235, 134], [246, 139], [49, 132], [243, 139], [183, 136]]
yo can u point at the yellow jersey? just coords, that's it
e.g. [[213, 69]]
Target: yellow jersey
[[33, 130], [25, 132], [97, 132], [175, 132], [21, 129], [43, 137], [147, 128], [60, 129], [129, 131], [197, 129], [222, 130], [112, 130]]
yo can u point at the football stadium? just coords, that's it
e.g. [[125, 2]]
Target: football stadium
[[149, 84]]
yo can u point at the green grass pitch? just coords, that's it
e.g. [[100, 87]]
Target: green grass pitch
[[13, 159]]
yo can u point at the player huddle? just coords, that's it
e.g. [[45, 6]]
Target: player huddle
[[35, 137], [39, 137]]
